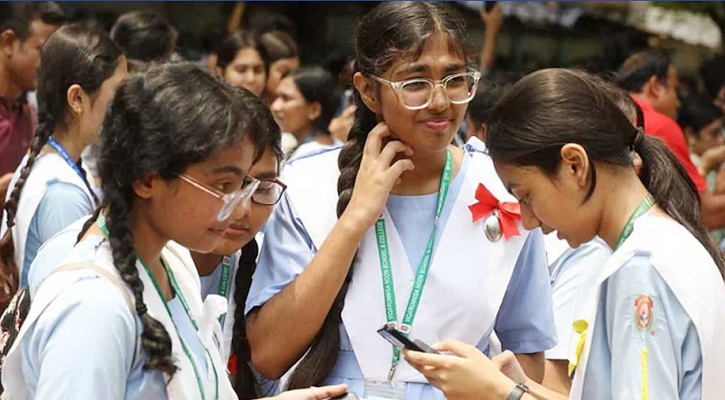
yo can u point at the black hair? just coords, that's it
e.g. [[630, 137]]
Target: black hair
[[389, 33], [74, 54], [145, 36], [698, 112], [238, 41], [162, 121], [712, 72], [264, 22], [638, 68], [487, 94], [316, 84], [279, 46], [550, 108], [18, 15]]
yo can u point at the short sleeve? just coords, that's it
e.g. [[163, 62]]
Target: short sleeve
[[525, 322], [654, 346], [286, 251], [572, 280], [62, 204], [82, 346]]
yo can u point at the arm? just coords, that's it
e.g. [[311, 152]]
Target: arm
[[61, 205], [235, 20], [525, 322], [302, 305], [556, 376], [82, 345], [712, 207], [493, 21]]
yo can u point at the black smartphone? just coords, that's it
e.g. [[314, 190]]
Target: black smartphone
[[399, 340], [346, 396], [488, 5]]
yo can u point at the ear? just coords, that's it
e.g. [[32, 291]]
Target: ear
[[366, 88], [574, 164], [74, 97], [314, 110], [144, 187], [7, 39], [219, 71], [653, 87]]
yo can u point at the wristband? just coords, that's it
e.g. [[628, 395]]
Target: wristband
[[518, 392]]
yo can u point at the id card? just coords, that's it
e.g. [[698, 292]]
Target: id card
[[377, 390]]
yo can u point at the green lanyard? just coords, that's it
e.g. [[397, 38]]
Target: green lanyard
[[175, 286], [643, 206], [227, 262], [421, 275]]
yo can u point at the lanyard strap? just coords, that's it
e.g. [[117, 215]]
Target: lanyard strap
[[423, 267], [643, 206], [69, 160], [175, 286], [227, 262]]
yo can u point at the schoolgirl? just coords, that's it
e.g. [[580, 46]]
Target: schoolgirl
[[79, 73], [312, 295], [567, 151]]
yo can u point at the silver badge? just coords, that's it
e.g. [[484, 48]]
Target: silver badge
[[492, 227]]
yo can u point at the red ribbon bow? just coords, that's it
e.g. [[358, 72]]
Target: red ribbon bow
[[508, 214]]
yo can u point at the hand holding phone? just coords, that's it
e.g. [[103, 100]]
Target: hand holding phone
[[399, 340]]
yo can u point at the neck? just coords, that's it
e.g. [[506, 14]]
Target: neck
[[425, 178], [9, 90], [302, 134], [621, 201], [206, 263], [149, 242], [70, 142]]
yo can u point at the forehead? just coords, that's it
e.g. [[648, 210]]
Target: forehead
[[287, 86], [437, 55], [516, 177], [248, 56], [39, 30]]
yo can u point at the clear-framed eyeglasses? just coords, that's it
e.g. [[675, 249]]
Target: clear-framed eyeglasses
[[417, 94], [230, 201], [269, 192]]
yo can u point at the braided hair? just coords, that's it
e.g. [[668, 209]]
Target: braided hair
[[74, 54], [160, 122], [388, 33]]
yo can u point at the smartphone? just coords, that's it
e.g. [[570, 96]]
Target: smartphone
[[346, 396], [488, 5], [399, 340]]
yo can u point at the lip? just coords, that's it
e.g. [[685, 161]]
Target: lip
[[437, 124], [235, 231]]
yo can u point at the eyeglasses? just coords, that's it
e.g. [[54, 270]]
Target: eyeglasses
[[230, 201], [417, 94], [269, 192]]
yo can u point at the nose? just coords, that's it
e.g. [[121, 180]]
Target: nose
[[439, 100], [248, 76], [242, 211], [528, 219], [276, 105]]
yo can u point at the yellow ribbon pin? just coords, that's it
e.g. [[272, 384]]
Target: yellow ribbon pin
[[580, 327]]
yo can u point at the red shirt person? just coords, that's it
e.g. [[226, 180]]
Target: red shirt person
[[24, 27], [651, 79]]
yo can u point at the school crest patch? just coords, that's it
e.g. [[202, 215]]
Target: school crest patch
[[643, 312]]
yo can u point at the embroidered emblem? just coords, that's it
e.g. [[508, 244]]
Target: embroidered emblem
[[643, 314]]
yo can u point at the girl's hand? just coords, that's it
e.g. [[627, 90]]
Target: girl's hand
[[313, 393], [467, 374], [377, 175]]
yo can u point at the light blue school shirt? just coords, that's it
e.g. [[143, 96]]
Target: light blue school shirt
[[524, 323], [614, 368], [61, 204], [81, 346], [573, 280]]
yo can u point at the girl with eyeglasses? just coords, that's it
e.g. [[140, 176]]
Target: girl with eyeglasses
[[227, 270], [122, 316], [391, 230]]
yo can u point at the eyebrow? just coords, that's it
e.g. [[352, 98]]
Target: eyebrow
[[227, 169], [417, 68], [510, 188], [266, 175]]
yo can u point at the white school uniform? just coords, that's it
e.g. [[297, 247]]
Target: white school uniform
[[20, 374], [469, 287], [654, 320], [48, 168]]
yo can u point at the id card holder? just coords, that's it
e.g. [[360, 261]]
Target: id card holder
[[378, 390]]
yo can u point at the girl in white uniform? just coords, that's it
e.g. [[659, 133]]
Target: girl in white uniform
[[311, 291], [80, 70], [124, 307], [566, 151]]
